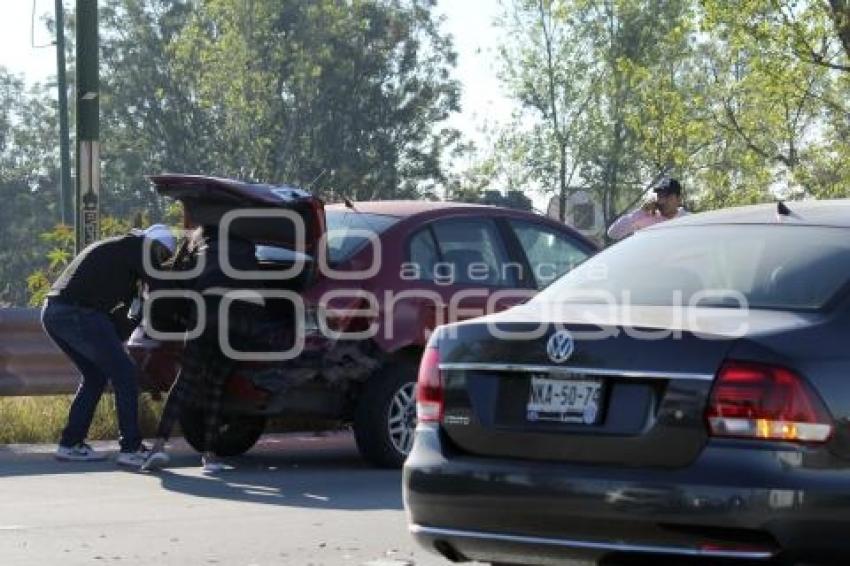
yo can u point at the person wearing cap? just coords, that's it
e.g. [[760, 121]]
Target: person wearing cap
[[666, 205], [79, 317]]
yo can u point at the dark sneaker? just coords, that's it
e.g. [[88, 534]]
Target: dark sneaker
[[82, 452]]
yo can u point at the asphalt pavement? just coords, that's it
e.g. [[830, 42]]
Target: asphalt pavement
[[295, 499]]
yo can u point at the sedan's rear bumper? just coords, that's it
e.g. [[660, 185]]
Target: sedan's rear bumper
[[732, 503], [458, 544]]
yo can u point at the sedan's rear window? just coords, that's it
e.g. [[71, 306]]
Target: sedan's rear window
[[768, 266], [349, 230]]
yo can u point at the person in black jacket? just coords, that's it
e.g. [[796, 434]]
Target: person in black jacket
[[80, 315]]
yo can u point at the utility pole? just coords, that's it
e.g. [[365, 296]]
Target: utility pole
[[67, 202], [88, 125]]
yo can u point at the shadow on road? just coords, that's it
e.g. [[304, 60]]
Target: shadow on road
[[289, 470], [327, 488]]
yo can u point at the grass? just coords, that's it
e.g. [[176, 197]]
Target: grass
[[36, 420], [41, 419]]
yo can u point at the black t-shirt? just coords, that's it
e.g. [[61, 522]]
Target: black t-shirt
[[105, 274]]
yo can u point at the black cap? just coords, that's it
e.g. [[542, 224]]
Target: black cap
[[668, 186]]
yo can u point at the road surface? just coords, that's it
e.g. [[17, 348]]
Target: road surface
[[295, 499]]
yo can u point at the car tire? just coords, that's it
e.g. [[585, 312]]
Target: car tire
[[237, 434], [385, 416]]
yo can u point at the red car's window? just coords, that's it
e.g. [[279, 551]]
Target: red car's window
[[550, 254], [473, 254], [424, 254], [348, 231]]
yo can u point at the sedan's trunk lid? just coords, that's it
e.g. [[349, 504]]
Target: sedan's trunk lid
[[631, 389]]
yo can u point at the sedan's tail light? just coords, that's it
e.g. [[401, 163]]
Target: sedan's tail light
[[429, 388], [755, 400]]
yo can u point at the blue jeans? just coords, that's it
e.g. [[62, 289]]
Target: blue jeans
[[89, 338]]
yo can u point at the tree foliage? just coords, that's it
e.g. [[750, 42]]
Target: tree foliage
[[744, 100], [346, 98], [59, 244], [600, 84], [28, 181]]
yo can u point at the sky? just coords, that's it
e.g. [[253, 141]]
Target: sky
[[470, 22], [16, 39], [476, 40]]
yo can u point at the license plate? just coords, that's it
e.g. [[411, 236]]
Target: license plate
[[574, 400]]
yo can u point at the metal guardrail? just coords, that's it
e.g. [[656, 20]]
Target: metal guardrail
[[30, 364]]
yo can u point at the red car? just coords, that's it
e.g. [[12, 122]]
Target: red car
[[371, 280]]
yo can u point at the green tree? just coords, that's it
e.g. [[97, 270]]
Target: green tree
[[547, 72], [604, 88], [28, 181], [150, 121], [58, 248], [743, 100], [349, 96], [346, 95], [772, 93]]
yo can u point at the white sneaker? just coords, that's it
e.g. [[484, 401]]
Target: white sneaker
[[155, 461], [133, 459], [82, 452], [211, 464]]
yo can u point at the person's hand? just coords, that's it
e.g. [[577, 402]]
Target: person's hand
[[650, 206]]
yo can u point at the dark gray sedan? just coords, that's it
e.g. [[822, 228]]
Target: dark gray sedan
[[683, 395]]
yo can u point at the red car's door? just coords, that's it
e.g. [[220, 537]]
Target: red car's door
[[466, 263]]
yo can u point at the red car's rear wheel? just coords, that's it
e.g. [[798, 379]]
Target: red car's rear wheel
[[237, 433]]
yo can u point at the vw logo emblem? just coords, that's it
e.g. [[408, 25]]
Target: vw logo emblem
[[560, 346]]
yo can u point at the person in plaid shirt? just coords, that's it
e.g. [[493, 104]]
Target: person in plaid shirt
[[204, 367]]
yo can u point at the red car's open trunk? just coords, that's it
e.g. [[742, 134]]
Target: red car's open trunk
[[299, 225]]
